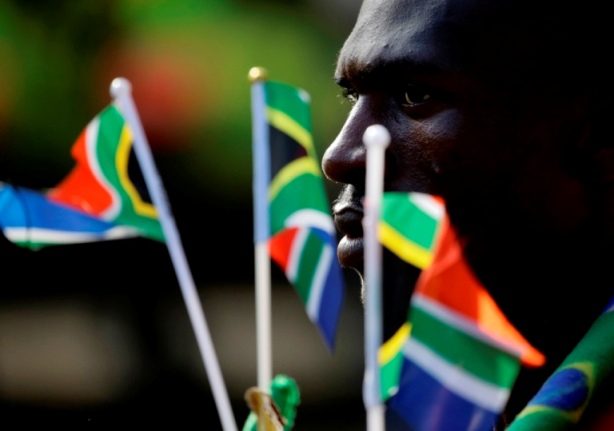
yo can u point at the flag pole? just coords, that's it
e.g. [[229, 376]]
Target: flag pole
[[261, 175], [376, 138], [261, 166], [121, 91]]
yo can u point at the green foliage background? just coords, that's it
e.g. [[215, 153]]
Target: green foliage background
[[58, 59]]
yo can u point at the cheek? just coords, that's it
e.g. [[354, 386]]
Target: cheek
[[431, 153], [459, 150], [488, 169], [521, 176], [552, 198]]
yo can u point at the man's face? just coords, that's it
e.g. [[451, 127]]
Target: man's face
[[473, 116]]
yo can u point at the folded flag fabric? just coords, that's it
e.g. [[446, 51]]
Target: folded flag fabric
[[103, 197], [302, 236], [561, 402], [463, 355], [409, 225]]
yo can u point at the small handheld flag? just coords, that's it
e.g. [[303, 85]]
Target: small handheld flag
[[114, 191], [462, 356], [292, 217], [104, 197], [409, 226]]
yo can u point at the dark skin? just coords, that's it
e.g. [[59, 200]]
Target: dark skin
[[498, 107]]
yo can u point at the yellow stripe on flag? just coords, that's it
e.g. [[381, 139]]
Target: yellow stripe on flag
[[394, 345], [407, 250], [123, 154], [304, 165], [287, 125]]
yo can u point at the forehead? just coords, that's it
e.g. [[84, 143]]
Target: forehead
[[447, 35]]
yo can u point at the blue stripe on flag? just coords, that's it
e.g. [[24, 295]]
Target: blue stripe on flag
[[331, 299], [23, 208], [426, 405]]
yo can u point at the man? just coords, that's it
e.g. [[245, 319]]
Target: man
[[502, 107]]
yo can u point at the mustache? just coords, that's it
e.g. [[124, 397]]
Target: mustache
[[348, 212], [349, 195]]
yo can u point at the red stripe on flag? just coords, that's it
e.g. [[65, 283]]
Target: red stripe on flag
[[81, 189], [280, 246], [450, 281]]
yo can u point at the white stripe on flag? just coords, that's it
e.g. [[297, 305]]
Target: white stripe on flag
[[318, 282], [460, 322], [92, 145], [50, 236], [295, 254], [428, 204], [311, 218], [455, 379]]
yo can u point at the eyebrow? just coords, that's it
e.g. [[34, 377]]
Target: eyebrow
[[387, 73]]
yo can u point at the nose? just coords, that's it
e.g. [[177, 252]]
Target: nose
[[344, 161]]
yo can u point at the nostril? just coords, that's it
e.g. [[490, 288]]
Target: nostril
[[344, 163]]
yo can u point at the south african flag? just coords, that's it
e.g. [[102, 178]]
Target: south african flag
[[300, 232], [103, 197]]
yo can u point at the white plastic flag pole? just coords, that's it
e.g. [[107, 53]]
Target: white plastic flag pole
[[121, 91], [261, 176], [376, 138]]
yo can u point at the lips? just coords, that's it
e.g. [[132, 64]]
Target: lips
[[348, 219]]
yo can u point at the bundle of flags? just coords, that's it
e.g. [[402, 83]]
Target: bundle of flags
[[300, 231], [409, 225], [104, 197], [456, 366]]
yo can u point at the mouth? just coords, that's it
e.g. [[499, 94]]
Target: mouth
[[348, 214]]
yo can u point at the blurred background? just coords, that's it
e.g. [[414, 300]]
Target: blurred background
[[98, 334]]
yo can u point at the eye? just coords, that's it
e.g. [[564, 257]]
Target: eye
[[415, 95]]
